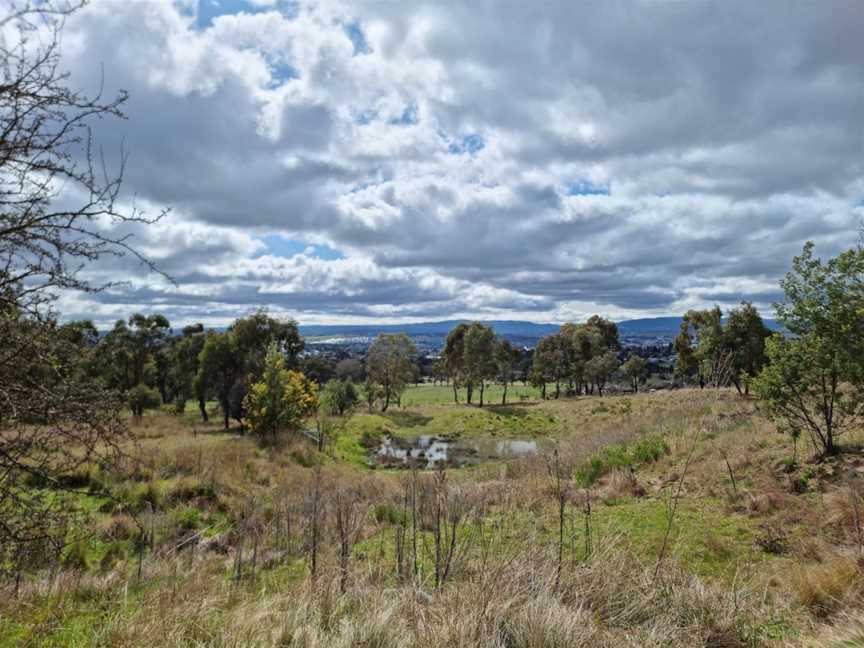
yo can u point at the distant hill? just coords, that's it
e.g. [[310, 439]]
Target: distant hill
[[666, 325], [432, 329], [508, 328]]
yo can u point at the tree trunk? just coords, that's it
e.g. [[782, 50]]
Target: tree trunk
[[202, 405], [482, 389], [455, 393], [504, 395]]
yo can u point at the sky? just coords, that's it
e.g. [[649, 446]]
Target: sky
[[402, 161]]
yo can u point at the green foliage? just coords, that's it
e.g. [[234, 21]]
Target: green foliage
[[280, 400], [256, 334], [338, 397], [220, 365], [635, 369], [141, 398], [744, 336], [814, 381], [389, 366], [615, 456], [479, 356]]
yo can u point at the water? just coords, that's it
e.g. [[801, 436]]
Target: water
[[428, 452]]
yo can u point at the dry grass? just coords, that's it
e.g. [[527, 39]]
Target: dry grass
[[214, 500]]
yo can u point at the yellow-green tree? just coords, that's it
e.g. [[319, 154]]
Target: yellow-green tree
[[280, 400]]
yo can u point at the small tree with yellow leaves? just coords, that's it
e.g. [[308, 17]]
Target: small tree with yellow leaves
[[280, 400]]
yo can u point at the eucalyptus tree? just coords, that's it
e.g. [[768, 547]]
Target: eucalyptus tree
[[479, 356], [506, 360], [183, 380], [454, 361], [635, 369], [390, 365], [220, 367], [744, 336]]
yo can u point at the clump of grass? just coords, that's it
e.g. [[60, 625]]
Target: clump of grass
[[619, 456], [823, 587], [141, 496], [187, 489]]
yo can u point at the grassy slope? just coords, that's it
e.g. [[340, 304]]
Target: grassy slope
[[787, 555]]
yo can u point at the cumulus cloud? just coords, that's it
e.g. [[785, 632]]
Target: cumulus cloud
[[475, 159]]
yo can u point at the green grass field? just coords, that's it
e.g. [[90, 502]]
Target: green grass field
[[428, 394]]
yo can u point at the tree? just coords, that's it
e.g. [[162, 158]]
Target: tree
[[52, 423], [55, 200], [338, 397], [608, 331], [710, 354], [350, 369], [744, 336], [454, 360], [813, 380], [584, 343], [550, 362], [479, 361], [318, 368], [45, 149], [600, 367], [280, 400], [147, 335], [389, 365], [115, 358], [220, 366], [686, 363], [635, 369], [506, 358], [183, 381], [255, 334]]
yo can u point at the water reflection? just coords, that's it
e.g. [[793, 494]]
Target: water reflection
[[428, 452]]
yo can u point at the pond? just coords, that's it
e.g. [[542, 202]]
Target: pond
[[428, 452]]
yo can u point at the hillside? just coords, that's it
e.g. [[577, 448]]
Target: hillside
[[757, 551]]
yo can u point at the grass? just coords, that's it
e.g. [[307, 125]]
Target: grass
[[428, 394], [760, 563]]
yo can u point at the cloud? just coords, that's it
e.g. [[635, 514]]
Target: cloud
[[468, 159]]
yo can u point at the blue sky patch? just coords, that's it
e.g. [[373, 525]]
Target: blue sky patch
[[365, 117], [282, 72], [280, 246], [584, 187], [411, 115], [471, 144], [210, 9], [358, 38]]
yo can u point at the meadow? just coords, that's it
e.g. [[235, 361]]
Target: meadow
[[672, 518]]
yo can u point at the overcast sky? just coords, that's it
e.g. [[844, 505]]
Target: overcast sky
[[347, 161]]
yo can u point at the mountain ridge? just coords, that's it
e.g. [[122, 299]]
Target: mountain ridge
[[525, 328]]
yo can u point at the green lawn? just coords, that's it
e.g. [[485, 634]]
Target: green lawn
[[427, 394]]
